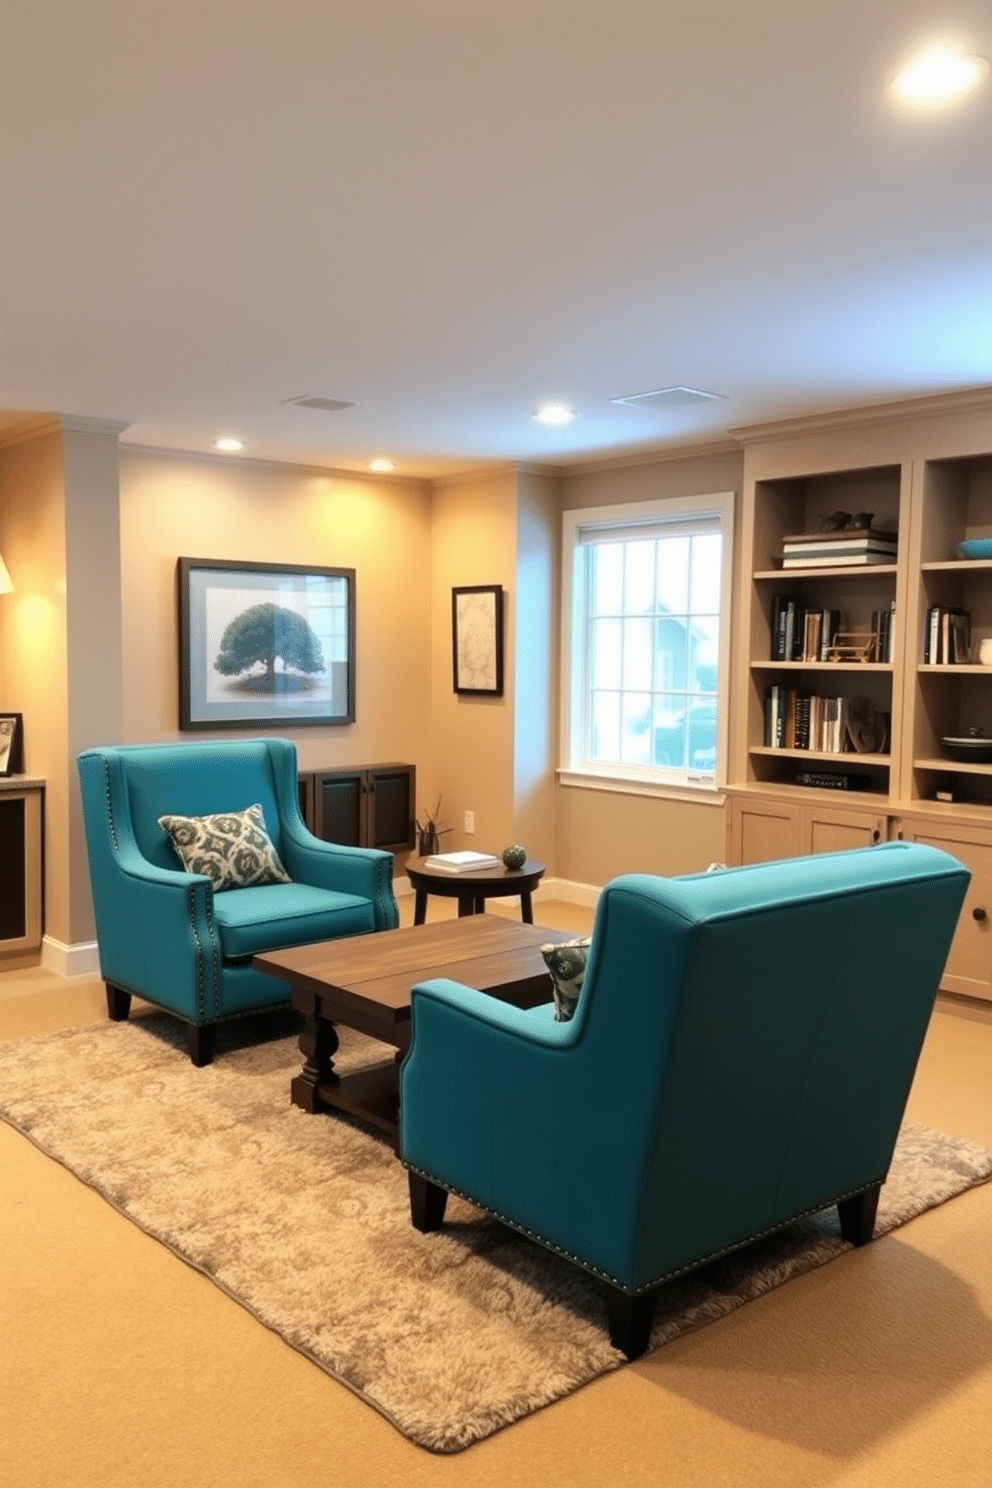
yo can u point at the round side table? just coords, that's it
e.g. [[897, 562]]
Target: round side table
[[473, 889]]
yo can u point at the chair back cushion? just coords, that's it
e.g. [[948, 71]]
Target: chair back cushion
[[195, 780]]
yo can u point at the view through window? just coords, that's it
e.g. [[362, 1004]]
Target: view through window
[[647, 600]]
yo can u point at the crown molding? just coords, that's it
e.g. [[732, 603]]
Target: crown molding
[[963, 400], [21, 428], [700, 450], [254, 462]]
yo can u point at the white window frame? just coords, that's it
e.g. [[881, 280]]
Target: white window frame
[[574, 769]]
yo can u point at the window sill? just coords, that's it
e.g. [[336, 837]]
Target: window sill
[[632, 784]]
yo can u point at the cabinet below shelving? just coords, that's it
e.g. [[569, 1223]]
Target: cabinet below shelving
[[362, 806], [22, 900]]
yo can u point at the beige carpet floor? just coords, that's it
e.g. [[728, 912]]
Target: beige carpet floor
[[304, 1221]]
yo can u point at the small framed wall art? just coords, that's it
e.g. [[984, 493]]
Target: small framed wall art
[[11, 743], [477, 639], [265, 643]]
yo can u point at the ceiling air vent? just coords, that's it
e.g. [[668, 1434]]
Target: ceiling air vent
[[670, 397], [326, 405]]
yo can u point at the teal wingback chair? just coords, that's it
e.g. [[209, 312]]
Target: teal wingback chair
[[165, 934], [741, 1055]]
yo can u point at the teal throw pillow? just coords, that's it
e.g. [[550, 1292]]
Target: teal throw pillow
[[567, 964], [233, 848]]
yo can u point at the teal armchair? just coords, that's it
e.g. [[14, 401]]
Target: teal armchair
[[741, 1055], [164, 933]]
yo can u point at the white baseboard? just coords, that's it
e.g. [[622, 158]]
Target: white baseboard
[[70, 960]]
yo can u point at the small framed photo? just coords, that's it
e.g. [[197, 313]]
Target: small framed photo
[[11, 744], [477, 639], [265, 643]]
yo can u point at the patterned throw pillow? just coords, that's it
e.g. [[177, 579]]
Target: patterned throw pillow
[[233, 848], [567, 964]]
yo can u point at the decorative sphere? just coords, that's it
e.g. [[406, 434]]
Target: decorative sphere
[[515, 856]]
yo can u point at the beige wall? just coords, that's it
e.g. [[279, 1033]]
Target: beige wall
[[173, 508], [104, 667], [473, 541], [600, 834]]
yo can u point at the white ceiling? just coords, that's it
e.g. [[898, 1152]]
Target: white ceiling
[[449, 211]]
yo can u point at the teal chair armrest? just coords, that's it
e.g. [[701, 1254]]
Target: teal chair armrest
[[364, 871], [501, 1104], [163, 942]]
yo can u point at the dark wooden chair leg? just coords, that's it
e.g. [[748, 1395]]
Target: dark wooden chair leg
[[118, 1003], [427, 1203], [857, 1215], [200, 1041], [630, 1320]]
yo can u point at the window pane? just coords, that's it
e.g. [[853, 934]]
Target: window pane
[[606, 578], [705, 573], [604, 731], [637, 659], [673, 575], [669, 730], [705, 653], [606, 651], [635, 733], [638, 596], [670, 643]]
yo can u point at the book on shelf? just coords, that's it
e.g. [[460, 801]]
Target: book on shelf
[[834, 780], [883, 629], [842, 535], [461, 862], [947, 636], [838, 559]]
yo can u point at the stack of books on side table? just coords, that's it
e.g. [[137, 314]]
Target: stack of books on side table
[[849, 547], [461, 862]]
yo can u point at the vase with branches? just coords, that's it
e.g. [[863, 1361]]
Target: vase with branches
[[430, 831]]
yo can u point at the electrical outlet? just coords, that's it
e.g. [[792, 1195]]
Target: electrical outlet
[[470, 823]]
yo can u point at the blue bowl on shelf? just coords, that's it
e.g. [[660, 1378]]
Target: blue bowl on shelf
[[976, 547]]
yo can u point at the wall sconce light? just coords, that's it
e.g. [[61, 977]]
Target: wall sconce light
[[6, 584]]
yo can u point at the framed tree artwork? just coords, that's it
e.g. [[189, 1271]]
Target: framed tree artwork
[[265, 643], [477, 639]]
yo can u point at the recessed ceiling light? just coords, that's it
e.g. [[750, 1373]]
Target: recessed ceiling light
[[381, 465], [229, 444], [939, 75], [554, 413]]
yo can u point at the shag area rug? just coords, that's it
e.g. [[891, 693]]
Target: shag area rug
[[304, 1221]]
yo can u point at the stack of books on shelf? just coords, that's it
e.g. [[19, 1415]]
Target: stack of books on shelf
[[947, 638], [883, 628], [461, 862], [828, 725], [801, 634], [848, 548]]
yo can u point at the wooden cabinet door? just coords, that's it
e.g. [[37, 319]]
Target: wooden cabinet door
[[762, 830], [21, 884], [969, 965], [838, 828]]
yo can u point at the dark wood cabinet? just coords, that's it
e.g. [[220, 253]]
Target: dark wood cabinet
[[21, 901], [364, 806]]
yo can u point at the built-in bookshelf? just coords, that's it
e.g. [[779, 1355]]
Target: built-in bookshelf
[[840, 696], [856, 672]]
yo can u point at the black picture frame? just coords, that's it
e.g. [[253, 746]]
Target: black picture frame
[[11, 744], [313, 618], [477, 639]]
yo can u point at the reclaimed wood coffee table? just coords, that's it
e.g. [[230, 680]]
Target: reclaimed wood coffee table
[[364, 982]]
